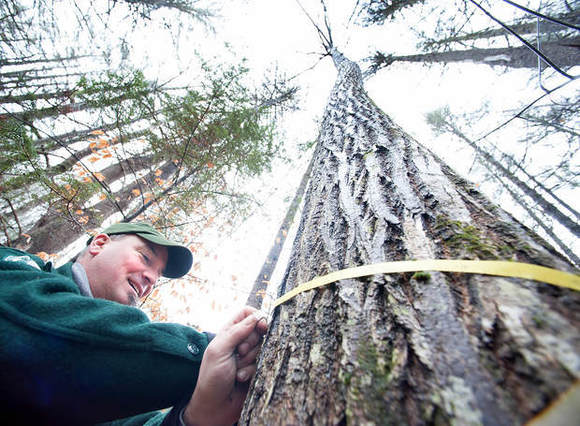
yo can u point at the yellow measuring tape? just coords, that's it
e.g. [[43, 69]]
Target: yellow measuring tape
[[486, 267]]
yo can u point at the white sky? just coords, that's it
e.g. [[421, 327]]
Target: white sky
[[277, 33]]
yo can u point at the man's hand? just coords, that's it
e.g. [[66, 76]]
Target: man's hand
[[229, 362]]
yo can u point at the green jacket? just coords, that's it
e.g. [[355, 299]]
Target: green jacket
[[71, 359]]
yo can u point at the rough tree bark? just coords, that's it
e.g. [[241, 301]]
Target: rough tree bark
[[438, 348]]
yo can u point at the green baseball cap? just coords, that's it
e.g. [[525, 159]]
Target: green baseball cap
[[179, 257]]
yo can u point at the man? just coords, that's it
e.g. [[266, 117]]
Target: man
[[74, 350]]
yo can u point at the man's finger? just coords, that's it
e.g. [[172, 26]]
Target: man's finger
[[244, 374], [251, 341], [235, 334], [249, 358], [262, 325], [239, 316]]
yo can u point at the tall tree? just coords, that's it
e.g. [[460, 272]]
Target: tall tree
[[564, 53], [452, 36], [436, 348], [549, 31]]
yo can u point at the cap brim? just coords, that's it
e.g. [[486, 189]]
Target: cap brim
[[179, 258], [179, 261]]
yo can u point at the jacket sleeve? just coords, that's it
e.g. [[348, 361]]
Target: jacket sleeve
[[71, 359]]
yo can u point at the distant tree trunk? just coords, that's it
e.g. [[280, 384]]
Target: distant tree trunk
[[23, 73], [23, 61], [19, 82], [538, 220], [262, 281], [549, 208], [62, 108], [522, 28], [70, 161], [61, 94], [565, 53], [438, 348], [55, 230]]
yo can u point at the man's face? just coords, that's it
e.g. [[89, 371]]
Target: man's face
[[124, 269]]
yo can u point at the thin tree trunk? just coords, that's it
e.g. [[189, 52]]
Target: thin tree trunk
[[549, 208], [14, 62], [17, 99], [564, 53], [110, 174], [538, 220], [23, 73], [77, 135], [438, 348], [262, 281], [522, 28], [56, 229], [29, 116], [542, 186], [18, 82]]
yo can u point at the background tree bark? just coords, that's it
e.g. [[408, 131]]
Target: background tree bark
[[262, 281], [436, 348]]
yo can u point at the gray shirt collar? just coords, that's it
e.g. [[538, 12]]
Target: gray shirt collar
[[81, 279]]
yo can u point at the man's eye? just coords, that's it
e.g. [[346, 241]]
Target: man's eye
[[146, 258]]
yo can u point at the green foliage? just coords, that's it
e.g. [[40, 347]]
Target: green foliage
[[438, 119], [376, 12], [112, 88], [19, 158], [121, 97], [215, 130]]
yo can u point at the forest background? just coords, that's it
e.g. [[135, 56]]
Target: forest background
[[128, 108]]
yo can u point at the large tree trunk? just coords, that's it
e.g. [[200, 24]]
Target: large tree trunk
[[434, 348]]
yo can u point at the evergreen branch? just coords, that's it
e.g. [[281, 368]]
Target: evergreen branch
[[190, 139]]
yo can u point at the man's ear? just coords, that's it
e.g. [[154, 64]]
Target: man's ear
[[98, 243]]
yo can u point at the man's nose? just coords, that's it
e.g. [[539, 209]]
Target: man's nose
[[150, 277]]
